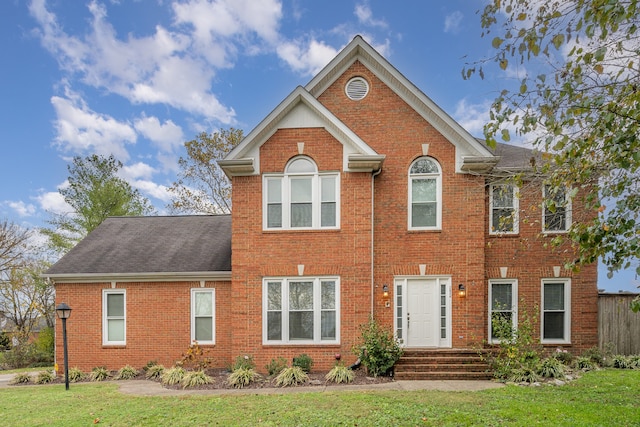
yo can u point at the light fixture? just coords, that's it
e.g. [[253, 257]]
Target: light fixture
[[64, 311], [462, 292], [385, 291]]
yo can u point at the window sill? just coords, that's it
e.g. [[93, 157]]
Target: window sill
[[300, 230], [494, 234], [305, 344], [425, 230], [114, 346]]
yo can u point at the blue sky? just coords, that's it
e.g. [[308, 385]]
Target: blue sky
[[137, 78]]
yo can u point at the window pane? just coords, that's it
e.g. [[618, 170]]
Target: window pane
[[204, 304], [555, 221], [274, 296], [274, 215], [274, 190], [502, 219], [501, 296], [328, 214], [301, 215], [423, 190], [115, 305], [328, 189], [554, 296], [328, 292], [301, 166], [328, 320], [503, 196], [554, 325], [115, 330], [423, 215], [301, 325], [301, 296], [424, 166], [274, 325], [204, 329], [301, 190]]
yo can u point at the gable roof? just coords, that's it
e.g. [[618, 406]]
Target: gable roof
[[156, 248]]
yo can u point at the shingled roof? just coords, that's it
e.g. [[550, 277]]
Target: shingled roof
[[135, 247]]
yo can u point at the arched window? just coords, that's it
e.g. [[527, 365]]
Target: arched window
[[301, 197], [425, 194]]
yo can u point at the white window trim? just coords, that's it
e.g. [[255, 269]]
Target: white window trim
[[211, 291], [568, 209], [438, 178], [105, 327], [567, 311], [516, 210], [514, 305], [317, 310], [316, 188]]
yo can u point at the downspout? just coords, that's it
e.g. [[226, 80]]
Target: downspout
[[373, 178]]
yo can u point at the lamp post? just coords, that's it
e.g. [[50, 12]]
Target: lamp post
[[64, 311]]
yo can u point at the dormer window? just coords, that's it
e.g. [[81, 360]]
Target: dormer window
[[301, 198]]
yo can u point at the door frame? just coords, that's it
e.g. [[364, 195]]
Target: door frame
[[400, 305]]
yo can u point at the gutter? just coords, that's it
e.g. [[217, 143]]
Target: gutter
[[167, 276]]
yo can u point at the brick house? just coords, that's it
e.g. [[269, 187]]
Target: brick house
[[357, 196]]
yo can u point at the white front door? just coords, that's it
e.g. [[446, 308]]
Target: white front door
[[424, 311]]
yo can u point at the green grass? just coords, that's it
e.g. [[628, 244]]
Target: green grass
[[599, 398]]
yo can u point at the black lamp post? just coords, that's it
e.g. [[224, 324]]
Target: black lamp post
[[64, 311]]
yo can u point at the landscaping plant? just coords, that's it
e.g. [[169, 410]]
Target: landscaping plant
[[195, 378], [340, 374], [173, 376], [76, 375], [154, 372], [45, 377], [127, 373], [291, 376], [242, 377], [99, 373], [21, 378], [275, 366], [304, 361], [379, 349]]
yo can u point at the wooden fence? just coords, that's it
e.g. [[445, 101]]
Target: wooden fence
[[618, 326]]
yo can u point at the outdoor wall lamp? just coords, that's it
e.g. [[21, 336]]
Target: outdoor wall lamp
[[385, 291], [462, 292], [64, 311]]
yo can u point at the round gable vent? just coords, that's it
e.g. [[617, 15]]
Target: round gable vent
[[357, 88]]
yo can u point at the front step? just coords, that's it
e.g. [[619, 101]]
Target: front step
[[441, 364]]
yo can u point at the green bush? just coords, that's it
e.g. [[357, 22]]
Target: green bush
[[379, 350], [275, 366], [242, 377], [5, 341], [291, 376], [243, 362], [524, 374], [127, 373], [154, 372], [634, 362], [195, 378], [76, 375], [173, 376], [340, 374], [584, 363], [44, 377], [303, 361], [552, 367], [563, 356], [621, 361], [27, 355], [99, 373], [150, 364], [21, 378]]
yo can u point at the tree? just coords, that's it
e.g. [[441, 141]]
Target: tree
[[581, 105], [13, 245], [202, 187], [95, 192]]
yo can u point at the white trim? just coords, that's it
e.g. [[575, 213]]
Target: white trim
[[284, 310], [566, 309], [515, 207], [185, 276], [212, 292], [438, 178], [514, 305], [105, 319]]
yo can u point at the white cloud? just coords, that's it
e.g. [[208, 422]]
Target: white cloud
[[81, 130], [152, 189], [167, 136], [136, 171], [472, 117], [306, 57], [53, 202], [452, 22], [22, 209], [365, 16]]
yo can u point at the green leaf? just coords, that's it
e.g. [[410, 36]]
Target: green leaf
[[505, 135], [558, 40], [503, 64], [496, 42]]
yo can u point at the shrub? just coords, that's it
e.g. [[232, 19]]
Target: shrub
[[99, 373], [595, 355], [154, 372], [291, 376], [21, 378], [5, 341], [340, 374], [150, 364], [524, 374], [621, 361], [242, 377], [584, 363], [551, 367], [379, 349], [634, 362], [27, 355], [173, 376], [45, 377], [304, 362], [127, 373], [194, 358], [275, 366], [243, 362], [195, 378], [76, 375], [563, 356]]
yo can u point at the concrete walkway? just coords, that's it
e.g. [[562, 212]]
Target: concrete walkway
[[152, 388]]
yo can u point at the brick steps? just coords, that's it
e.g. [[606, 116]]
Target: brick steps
[[441, 364]]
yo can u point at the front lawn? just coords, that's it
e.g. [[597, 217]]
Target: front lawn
[[605, 397]]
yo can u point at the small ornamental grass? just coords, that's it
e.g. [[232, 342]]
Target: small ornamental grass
[[584, 363], [173, 376], [127, 373], [99, 373], [154, 372], [45, 377], [291, 376], [21, 378], [76, 375], [551, 367], [195, 378], [242, 377], [621, 362], [340, 374], [275, 366]]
